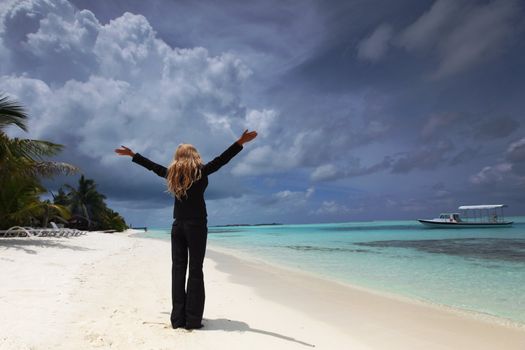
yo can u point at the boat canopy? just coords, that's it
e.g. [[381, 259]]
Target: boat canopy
[[489, 206]]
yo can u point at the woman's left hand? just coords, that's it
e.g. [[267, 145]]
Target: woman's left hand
[[247, 136]]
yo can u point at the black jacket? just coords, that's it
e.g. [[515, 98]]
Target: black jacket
[[192, 206]]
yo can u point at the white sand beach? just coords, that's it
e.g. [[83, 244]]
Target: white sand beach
[[102, 291]]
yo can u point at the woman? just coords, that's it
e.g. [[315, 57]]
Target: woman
[[187, 179]]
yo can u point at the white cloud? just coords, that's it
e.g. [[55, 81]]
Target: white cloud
[[287, 200], [374, 47], [325, 172], [511, 170], [516, 150], [430, 26], [491, 174], [36, 96], [332, 208], [49, 39], [58, 34], [516, 156], [94, 87], [287, 153], [5, 5], [266, 160], [294, 196], [262, 121]]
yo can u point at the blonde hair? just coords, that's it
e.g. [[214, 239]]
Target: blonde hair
[[184, 170]]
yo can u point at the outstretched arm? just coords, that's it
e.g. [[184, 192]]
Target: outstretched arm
[[145, 162], [231, 152]]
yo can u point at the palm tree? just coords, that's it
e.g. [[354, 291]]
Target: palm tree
[[21, 164], [113, 220], [88, 207], [86, 202]]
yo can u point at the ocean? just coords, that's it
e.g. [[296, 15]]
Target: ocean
[[480, 270]]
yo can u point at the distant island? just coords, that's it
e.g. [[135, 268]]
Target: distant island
[[233, 225]]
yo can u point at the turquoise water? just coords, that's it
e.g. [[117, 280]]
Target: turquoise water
[[481, 270]]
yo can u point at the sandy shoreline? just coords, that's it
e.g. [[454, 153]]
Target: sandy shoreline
[[103, 291], [484, 317]]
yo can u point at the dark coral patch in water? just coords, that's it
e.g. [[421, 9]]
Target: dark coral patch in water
[[218, 230], [326, 249], [370, 228], [480, 248]]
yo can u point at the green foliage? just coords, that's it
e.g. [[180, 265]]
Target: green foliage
[[113, 220], [19, 200], [11, 113], [51, 211], [20, 203], [89, 207], [22, 164], [61, 197]]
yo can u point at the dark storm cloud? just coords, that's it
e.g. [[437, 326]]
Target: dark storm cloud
[[271, 35], [462, 34], [464, 156], [497, 128], [424, 158], [468, 126], [356, 93], [413, 78], [139, 91], [43, 47]]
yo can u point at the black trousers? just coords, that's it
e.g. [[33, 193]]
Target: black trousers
[[187, 237]]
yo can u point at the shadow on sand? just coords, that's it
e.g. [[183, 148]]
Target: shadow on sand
[[25, 244], [224, 324]]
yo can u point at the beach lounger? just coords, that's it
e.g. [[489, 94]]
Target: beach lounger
[[65, 232], [55, 231], [19, 231]]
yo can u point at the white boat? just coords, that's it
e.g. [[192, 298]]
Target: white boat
[[472, 216]]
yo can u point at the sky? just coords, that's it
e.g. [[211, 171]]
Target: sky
[[366, 110]]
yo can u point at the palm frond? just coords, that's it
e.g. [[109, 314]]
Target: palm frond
[[35, 169], [32, 209], [12, 113], [33, 149], [61, 210], [70, 188], [50, 169]]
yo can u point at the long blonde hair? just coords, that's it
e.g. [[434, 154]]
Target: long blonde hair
[[184, 170]]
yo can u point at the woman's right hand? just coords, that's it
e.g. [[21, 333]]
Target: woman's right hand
[[124, 151], [246, 137]]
